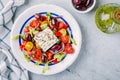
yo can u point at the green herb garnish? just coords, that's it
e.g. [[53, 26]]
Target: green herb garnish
[[38, 63], [45, 68], [26, 57], [73, 41]]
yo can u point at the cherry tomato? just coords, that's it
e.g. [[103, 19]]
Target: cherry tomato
[[65, 26], [58, 34], [24, 42], [35, 23], [65, 38], [35, 58], [22, 47], [69, 49], [49, 55], [37, 55], [28, 52], [55, 61], [26, 29], [38, 52], [63, 31], [62, 25], [29, 46]]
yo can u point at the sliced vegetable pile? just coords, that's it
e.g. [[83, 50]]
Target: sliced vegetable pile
[[31, 48]]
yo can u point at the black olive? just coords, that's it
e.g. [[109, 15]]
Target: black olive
[[90, 4], [84, 2], [81, 7], [28, 37], [37, 16], [55, 22], [44, 59], [76, 2], [56, 47]]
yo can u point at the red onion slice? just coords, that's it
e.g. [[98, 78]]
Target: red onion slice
[[57, 48]]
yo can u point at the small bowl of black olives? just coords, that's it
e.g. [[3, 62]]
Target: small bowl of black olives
[[83, 6]]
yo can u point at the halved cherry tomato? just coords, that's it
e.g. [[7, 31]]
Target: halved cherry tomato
[[55, 61], [69, 49], [65, 38], [28, 52], [65, 26], [49, 55], [58, 34], [22, 47], [35, 23], [26, 29], [24, 42], [68, 44], [62, 25], [38, 52], [28, 46], [35, 58], [63, 31]]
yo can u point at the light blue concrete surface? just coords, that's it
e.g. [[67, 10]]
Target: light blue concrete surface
[[99, 57]]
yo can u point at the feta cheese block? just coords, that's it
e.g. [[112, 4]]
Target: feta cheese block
[[45, 39]]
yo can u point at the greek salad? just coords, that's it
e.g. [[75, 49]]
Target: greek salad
[[46, 40]]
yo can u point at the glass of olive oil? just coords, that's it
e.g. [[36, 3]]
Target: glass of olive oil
[[107, 18]]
